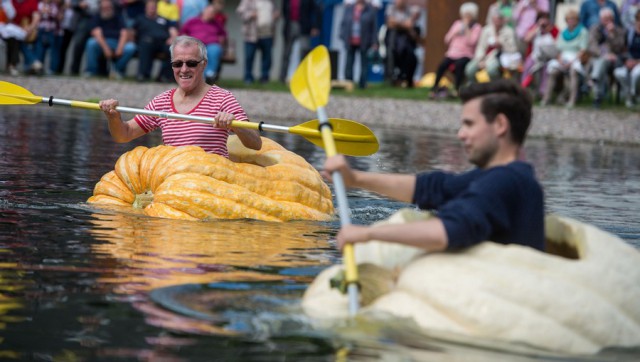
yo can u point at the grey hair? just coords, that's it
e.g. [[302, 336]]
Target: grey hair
[[469, 8], [188, 41], [606, 11]]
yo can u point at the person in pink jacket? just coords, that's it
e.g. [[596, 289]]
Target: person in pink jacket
[[461, 39], [208, 29]]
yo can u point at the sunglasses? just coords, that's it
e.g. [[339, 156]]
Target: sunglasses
[[189, 63]]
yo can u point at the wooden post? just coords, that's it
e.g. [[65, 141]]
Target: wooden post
[[440, 15]]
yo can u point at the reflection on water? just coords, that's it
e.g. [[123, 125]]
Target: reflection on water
[[77, 283], [153, 252]]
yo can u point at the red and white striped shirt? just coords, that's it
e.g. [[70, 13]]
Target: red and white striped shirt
[[177, 132]]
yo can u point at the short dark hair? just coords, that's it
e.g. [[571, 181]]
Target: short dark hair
[[503, 96]]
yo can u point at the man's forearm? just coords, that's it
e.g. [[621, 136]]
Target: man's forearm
[[396, 186]]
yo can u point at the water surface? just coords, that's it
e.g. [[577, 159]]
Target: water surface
[[81, 283]]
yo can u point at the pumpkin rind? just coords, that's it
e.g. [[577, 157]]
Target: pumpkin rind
[[272, 184]]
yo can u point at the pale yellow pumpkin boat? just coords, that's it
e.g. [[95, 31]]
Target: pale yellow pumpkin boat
[[272, 184], [581, 296]]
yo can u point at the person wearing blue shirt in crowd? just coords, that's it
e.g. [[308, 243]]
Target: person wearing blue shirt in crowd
[[590, 12], [499, 200]]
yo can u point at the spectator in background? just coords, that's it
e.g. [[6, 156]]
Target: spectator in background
[[403, 33], [84, 11], [496, 49], [461, 39], [590, 12], [628, 75], [213, 34], [358, 29], [153, 35], [12, 35], [606, 46], [258, 27], [572, 44], [67, 27], [301, 22], [27, 17], [504, 7], [49, 33], [542, 39], [110, 39], [525, 16], [628, 12]]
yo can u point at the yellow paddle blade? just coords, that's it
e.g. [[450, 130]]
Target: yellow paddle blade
[[351, 138], [311, 82], [14, 94]]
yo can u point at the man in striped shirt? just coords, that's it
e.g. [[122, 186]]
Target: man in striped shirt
[[193, 96]]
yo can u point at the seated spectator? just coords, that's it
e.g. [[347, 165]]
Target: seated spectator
[[154, 35], [504, 7], [496, 50], [628, 75], [590, 12], [358, 29], [525, 16], [606, 46], [628, 11], [109, 39], [258, 28], [461, 40], [403, 40], [212, 33], [27, 17], [542, 37], [571, 61], [49, 33]]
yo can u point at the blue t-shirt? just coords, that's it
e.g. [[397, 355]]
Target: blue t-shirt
[[504, 204]]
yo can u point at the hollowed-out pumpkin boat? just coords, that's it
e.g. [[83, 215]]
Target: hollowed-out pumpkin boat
[[272, 184], [580, 296]]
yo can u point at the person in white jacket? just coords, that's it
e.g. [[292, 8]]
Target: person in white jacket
[[258, 27], [496, 50]]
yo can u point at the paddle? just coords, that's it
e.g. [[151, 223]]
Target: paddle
[[310, 86], [352, 138]]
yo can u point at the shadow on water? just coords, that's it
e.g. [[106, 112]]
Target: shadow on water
[[80, 283]]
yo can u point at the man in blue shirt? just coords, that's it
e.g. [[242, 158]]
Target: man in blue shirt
[[590, 12], [500, 200]]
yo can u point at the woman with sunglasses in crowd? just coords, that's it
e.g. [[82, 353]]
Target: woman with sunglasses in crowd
[[194, 97]]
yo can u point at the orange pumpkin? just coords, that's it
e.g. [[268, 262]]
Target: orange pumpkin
[[272, 184]]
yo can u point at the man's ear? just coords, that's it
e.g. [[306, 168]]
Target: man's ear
[[502, 125]]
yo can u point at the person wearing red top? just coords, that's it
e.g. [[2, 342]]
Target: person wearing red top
[[27, 17], [541, 48], [193, 96]]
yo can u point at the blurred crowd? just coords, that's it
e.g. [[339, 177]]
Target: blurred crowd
[[596, 50]]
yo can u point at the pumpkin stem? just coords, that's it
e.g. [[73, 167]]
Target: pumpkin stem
[[143, 199]]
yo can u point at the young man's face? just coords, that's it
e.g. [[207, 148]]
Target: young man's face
[[479, 138]]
